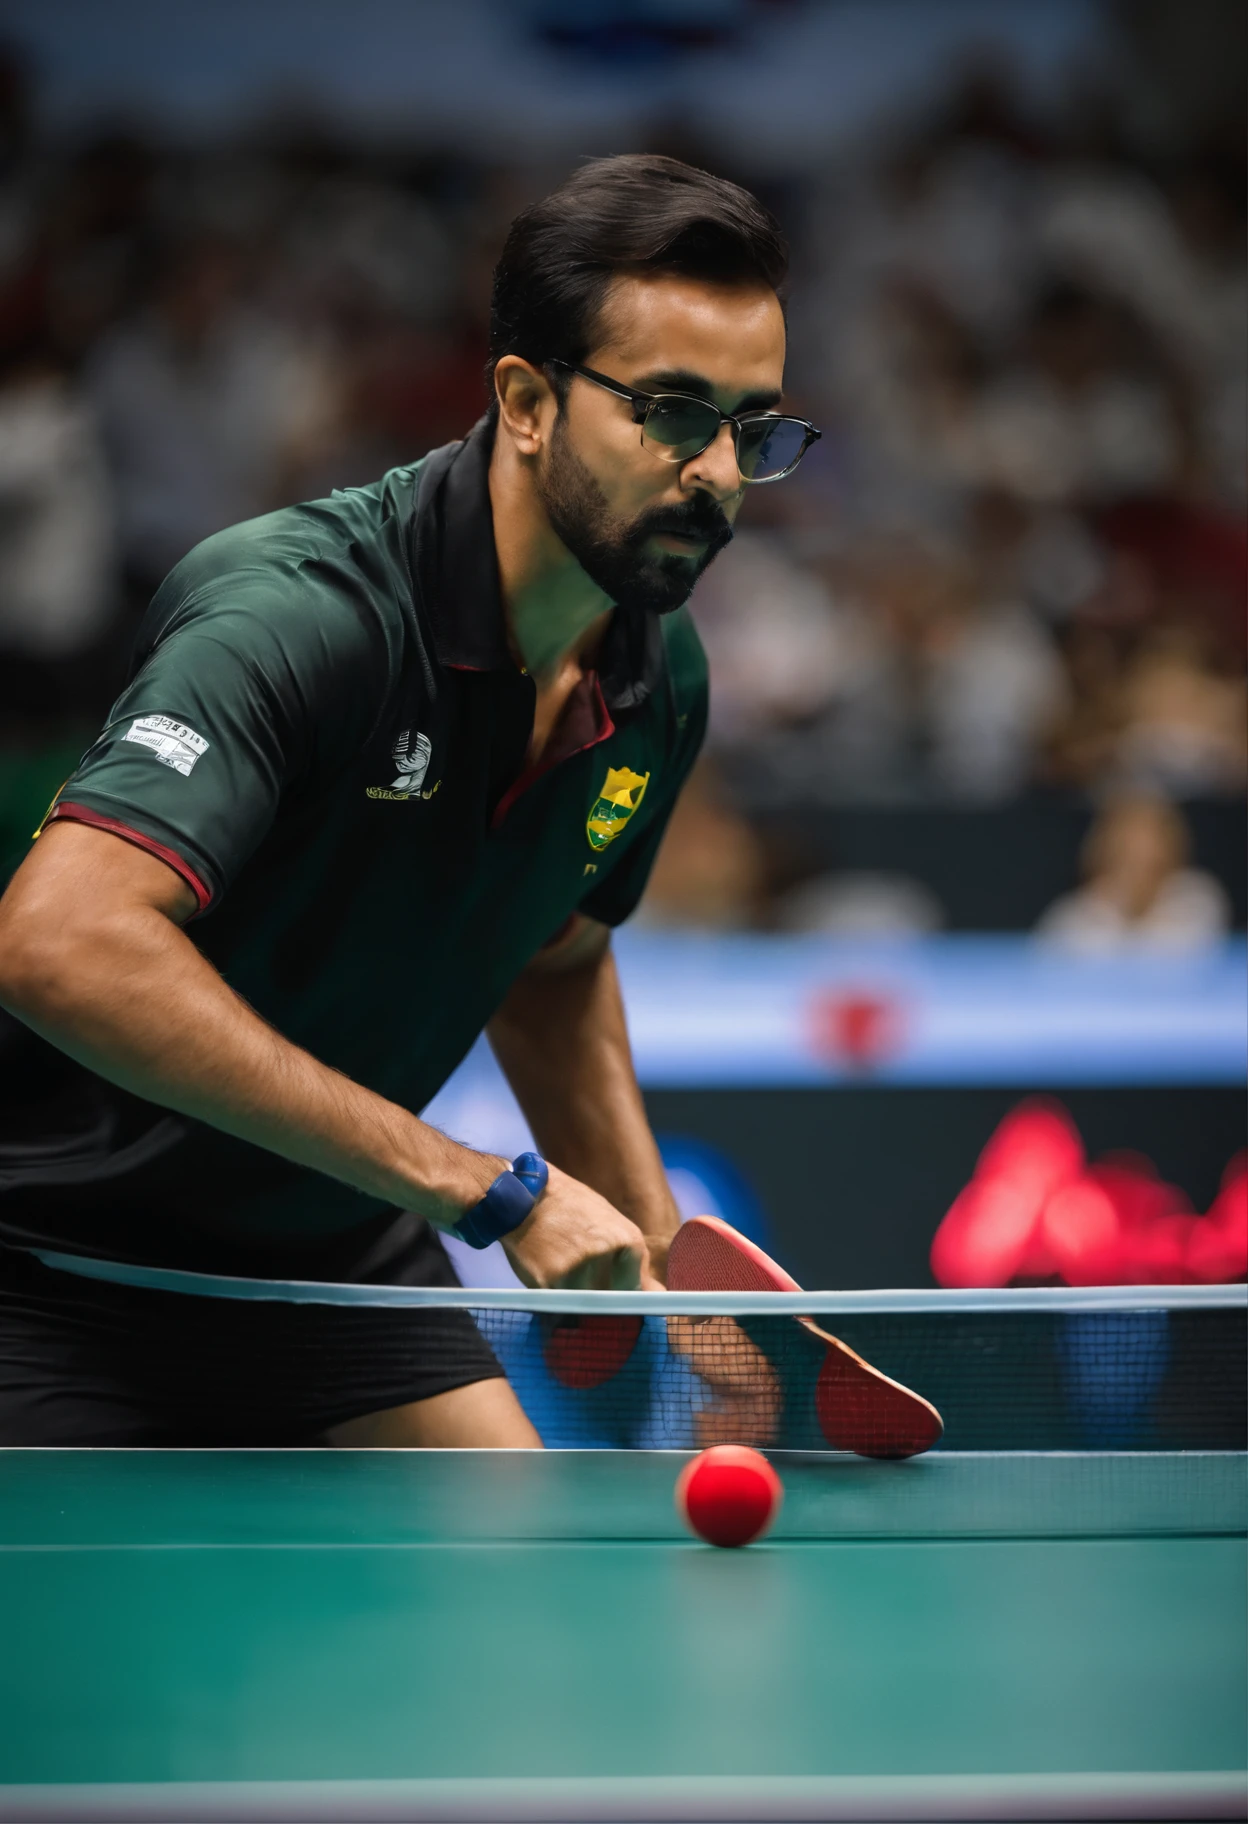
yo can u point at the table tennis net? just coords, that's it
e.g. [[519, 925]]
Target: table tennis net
[[1133, 1379], [1162, 1368]]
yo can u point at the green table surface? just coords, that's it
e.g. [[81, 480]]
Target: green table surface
[[506, 1634]]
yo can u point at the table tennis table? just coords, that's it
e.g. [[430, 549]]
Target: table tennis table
[[311, 1634]]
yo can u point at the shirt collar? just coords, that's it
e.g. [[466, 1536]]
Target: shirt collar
[[465, 598]]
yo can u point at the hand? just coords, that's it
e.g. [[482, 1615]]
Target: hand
[[575, 1238], [658, 1246], [747, 1395]]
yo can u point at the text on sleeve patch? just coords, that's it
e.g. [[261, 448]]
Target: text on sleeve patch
[[173, 743]]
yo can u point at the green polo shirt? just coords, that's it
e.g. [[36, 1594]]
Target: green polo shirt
[[325, 735]]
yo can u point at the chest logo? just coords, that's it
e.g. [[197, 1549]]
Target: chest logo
[[411, 755], [621, 793]]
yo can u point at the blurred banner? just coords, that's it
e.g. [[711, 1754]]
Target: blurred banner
[[773, 1012]]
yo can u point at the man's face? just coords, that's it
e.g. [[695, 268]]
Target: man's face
[[644, 529]]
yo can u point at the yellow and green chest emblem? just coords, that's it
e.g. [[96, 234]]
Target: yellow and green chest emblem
[[621, 793]]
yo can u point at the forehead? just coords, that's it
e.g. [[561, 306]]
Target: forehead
[[660, 323]]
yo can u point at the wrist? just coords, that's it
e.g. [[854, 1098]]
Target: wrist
[[442, 1180], [508, 1202]]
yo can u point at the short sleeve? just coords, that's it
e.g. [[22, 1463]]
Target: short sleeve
[[253, 683]]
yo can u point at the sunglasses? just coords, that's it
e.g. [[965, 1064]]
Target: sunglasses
[[676, 427]]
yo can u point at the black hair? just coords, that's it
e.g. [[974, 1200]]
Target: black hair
[[636, 213]]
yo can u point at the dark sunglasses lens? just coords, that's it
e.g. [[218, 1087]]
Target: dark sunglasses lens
[[679, 428], [769, 446]]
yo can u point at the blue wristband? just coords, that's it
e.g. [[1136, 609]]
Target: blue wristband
[[506, 1203]]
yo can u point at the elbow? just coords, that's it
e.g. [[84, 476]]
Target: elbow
[[37, 969], [582, 943]]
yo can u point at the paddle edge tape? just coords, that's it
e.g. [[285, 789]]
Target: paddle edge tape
[[970, 1798]]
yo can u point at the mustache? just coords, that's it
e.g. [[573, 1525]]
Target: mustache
[[698, 519]]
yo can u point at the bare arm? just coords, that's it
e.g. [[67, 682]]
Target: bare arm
[[93, 957], [562, 1041]]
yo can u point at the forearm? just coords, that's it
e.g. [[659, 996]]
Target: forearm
[[140, 1005], [93, 956], [562, 1041]]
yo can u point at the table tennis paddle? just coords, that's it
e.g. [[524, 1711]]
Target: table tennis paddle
[[585, 1352], [857, 1407]]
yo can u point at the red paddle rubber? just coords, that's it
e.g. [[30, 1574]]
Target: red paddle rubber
[[585, 1352], [862, 1410], [709, 1255], [858, 1408]]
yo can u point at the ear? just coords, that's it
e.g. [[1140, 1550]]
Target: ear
[[526, 403]]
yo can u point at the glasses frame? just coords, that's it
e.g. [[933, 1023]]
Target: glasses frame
[[643, 403]]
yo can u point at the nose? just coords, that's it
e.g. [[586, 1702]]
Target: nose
[[715, 470]]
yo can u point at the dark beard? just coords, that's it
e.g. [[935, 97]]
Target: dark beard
[[611, 551]]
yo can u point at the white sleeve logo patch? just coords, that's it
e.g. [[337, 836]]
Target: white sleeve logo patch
[[173, 743]]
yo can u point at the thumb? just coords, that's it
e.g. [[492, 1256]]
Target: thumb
[[647, 1278]]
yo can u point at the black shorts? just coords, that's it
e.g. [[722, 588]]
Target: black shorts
[[84, 1362]]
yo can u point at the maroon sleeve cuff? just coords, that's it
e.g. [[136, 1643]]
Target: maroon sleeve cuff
[[81, 813]]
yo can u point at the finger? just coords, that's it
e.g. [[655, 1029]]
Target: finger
[[594, 1273], [602, 1273], [647, 1278], [626, 1269]]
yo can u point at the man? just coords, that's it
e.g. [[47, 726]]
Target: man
[[389, 769]]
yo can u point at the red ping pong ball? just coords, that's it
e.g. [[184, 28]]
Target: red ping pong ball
[[729, 1495]]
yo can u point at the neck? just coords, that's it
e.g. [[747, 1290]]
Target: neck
[[552, 608]]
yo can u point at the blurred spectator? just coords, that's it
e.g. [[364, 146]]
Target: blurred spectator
[[1077, 419], [1138, 888], [776, 645], [1208, 199], [909, 382], [19, 198], [1159, 715], [938, 688], [57, 577], [710, 870], [1173, 562], [849, 904], [1184, 726], [199, 395], [1177, 261], [353, 236], [947, 207]]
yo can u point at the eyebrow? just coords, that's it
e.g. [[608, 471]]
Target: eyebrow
[[681, 380]]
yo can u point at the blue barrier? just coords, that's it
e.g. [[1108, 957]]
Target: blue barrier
[[708, 1011], [755, 1011]]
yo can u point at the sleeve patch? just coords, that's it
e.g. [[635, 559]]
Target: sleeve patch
[[173, 743]]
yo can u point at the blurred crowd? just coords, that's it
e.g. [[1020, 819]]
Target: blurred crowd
[[1016, 562], [189, 337], [1020, 554]]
